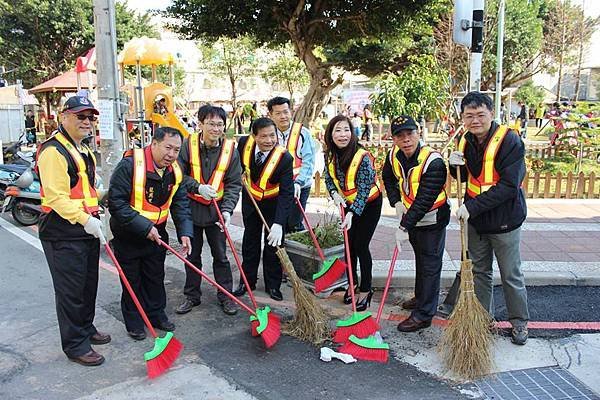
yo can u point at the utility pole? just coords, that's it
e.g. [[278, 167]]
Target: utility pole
[[110, 126], [499, 56], [582, 34], [476, 45]]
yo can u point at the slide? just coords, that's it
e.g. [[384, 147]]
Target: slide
[[170, 120]]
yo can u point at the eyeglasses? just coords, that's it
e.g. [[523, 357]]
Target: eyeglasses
[[219, 125], [92, 118]]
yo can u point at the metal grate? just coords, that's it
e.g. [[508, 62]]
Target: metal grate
[[546, 383]]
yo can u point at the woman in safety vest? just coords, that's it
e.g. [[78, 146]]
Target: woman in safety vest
[[352, 182]]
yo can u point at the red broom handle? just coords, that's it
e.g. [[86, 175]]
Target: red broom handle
[[387, 284], [348, 261], [235, 254], [208, 279], [310, 230]]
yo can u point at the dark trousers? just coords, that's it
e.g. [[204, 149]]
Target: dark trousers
[[359, 236], [221, 267], [295, 221], [428, 246], [74, 268], [144, 266], [253, 229]]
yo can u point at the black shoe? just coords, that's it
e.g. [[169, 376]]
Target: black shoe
[[364, 303], [228, 307], [186, 306], [348, 296], [100, 338], [241, 289], [409, 304], [137, 335], [166, 326], [275, 294]]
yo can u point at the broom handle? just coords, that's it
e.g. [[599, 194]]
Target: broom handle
[[310, 230], [235, 254], [256, 206], [463, 243], [387, 284], [126, 282], [348, 261], [208, 279]]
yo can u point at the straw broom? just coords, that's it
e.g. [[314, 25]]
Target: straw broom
[[466, 344], [310, 322]]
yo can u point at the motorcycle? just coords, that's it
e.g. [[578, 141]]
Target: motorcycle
[[21, 195]]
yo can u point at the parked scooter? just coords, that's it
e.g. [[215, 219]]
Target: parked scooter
[[22, 198]]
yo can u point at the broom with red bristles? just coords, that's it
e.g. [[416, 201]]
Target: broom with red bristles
[[372, 348], [254, 322], [332, 269], [269, 326], [358, 324]]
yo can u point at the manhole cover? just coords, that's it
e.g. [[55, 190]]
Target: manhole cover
[[547, 383]]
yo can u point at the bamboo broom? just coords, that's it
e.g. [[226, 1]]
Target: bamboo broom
[[466, 344]]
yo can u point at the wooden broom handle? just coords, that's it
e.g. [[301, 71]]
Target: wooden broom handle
[[245, 184], [463, 239]]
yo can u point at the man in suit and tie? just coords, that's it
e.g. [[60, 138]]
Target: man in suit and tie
[[268, 175]]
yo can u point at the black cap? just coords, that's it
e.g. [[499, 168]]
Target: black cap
[[401, 123], [77, 104]]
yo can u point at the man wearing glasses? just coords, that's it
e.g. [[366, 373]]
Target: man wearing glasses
[[212, 170], [70, 236]]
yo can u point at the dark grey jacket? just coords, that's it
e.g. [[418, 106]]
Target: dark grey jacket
[[209, 156]]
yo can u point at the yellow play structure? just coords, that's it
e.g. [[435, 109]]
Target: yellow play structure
[[154, 102]]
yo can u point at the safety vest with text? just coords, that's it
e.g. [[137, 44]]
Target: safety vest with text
[[292, 147], [488, 176], [83, 194], [410, 186], [262, 189], [216, 179], [142, 164], [350, 191]]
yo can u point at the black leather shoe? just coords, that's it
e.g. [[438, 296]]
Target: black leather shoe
[[228, 307], [89, 359], [186, 306], [409, 304], [365, 302], [166, 326], [100, 338], [241, 289], [137, 335], [412, 325], [275, 294]]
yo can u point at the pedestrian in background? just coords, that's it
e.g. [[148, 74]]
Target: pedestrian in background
[[356, 121], [368, 121]]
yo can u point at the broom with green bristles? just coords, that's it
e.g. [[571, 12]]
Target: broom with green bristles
[[358, 324]]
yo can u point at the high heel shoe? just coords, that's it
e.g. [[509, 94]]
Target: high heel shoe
[[364, 303], [348, 296]]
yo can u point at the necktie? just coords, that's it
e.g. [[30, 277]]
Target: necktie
[[260, 158]]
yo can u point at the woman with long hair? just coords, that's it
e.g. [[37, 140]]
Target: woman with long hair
[[351, 180]]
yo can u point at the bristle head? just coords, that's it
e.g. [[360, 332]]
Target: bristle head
[[162, 362], [363, 353], [327, 277]]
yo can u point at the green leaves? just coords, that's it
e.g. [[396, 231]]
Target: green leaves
[[530, 94]]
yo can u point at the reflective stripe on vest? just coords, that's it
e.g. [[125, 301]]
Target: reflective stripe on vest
[[83, 193], [488, 176], [292, 147], [264, 189], [410, 186], [350, 192], [156, 214], [216, 179]]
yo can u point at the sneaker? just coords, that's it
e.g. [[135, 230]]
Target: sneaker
[[228, 307], [519, 335]]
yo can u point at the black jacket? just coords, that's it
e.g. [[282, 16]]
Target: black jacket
[[127, 223], [431, 183], [502, 208], [203, 215], [279, 205]]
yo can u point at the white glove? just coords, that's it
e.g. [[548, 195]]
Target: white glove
[[347, 224], [274, 238], [93, 226], [207, 191], [327, 354], [337, 199], [297, 190], [401, 237], [462, 213], [400, 209], [226, 219], [456, 158]]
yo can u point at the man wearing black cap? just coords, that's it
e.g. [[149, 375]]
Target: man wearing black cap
[[414, 176], [70, 236]]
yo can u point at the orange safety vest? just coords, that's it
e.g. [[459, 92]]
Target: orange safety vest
[[292, 147], [83, 194], [216, 179], [410, 186], [350, 192], [142, 163], [488, 176], [262, 189]]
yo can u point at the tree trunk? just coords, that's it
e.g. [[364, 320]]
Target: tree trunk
[[314, 100], [562, 52], [578, 78]]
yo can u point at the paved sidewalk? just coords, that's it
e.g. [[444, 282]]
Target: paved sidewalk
[[560, 243]]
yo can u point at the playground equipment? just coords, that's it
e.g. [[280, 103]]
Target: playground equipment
[[153, 103]]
